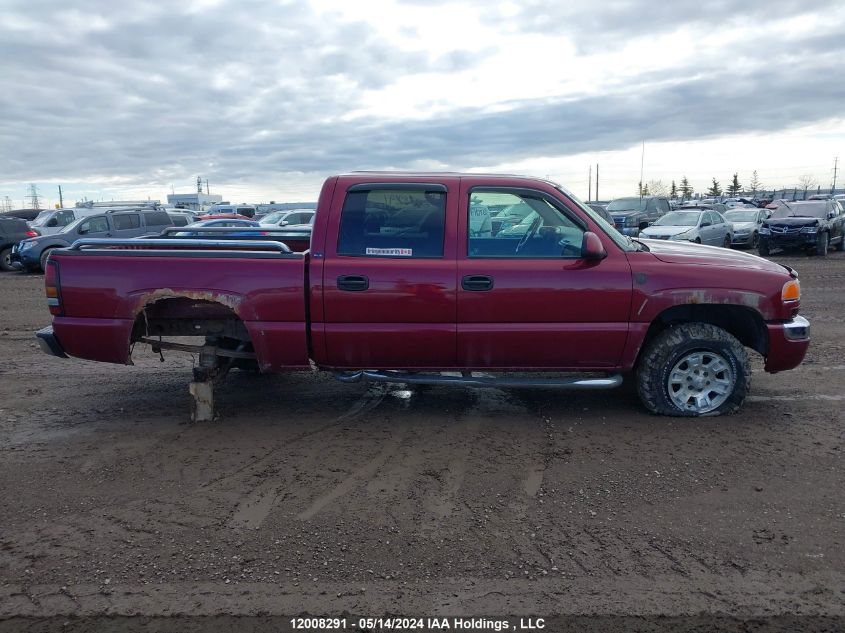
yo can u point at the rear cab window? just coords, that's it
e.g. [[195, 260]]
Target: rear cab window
[[393, 221]]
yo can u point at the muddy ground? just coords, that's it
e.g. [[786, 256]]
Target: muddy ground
[[311, 496]]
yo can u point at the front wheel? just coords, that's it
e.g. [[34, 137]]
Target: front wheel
[[763, 249], [693, 369], [755, 239], [6, 259], [727, 242], [44, 257]]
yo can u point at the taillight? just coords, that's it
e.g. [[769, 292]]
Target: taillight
[[52, 287], [32, 233]]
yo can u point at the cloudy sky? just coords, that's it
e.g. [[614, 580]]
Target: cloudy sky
[[264, 99]]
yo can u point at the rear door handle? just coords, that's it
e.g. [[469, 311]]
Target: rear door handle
[[478, 283], [353, 283]]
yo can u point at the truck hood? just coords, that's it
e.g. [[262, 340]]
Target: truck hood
[[687, 253]]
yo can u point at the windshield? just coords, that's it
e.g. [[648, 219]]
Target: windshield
[[625, 243], [41, 218], [804, 209], [627, 204], [272, 218], [678, 218], [741, 216]]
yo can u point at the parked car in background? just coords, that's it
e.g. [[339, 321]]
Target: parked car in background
[[821, 196], [51, 221], [602, 212], [812, 225], [508, 216], [24, 214], [746, 223], [632, 215], [289, 217], [32, 254], [181, 218], [12, 231], [690, 224], [245, 210], [222, 222], [221, 216]]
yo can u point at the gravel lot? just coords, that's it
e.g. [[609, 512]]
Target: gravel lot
[[314, 496]]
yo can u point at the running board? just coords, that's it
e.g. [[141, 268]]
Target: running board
[[468, 380]]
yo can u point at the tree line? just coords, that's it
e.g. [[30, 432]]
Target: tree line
[[685, 190]]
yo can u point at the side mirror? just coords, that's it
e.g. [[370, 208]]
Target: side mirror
[[591, 247], [831, 215], [703, 224], [82, 231], [284, 223], [52, 222]]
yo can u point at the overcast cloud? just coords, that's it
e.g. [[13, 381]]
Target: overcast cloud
[[144, 94]]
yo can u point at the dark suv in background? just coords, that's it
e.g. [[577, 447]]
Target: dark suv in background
[[812, 225], [12, 231], [632, 215]]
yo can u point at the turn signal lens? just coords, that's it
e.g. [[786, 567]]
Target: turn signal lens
[[791, 291]]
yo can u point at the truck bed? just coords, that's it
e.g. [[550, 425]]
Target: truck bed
[[110, 295]]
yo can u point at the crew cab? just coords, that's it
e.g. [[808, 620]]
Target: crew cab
[[395, 287]]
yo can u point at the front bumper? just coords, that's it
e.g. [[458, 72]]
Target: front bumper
[[742, 239], [49, 343], [789, 240], [25, 259], [788, 343]]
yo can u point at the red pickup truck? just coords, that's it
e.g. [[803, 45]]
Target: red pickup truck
[[405, 280]]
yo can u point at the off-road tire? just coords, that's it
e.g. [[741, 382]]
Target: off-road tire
[[670, 346], [44, 257], [763, 249], [5, 261], [821, 244]]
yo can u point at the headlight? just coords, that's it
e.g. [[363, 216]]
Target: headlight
[[764, 230], [682, 236], [25, 246], [810, 229]]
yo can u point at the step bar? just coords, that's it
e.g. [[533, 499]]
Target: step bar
[[466, 379]]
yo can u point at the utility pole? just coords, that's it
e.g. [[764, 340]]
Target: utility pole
[[835, 169], [206, 187], [590, 185], [642, 162], [34, 198], [61, 200], [597, 183]]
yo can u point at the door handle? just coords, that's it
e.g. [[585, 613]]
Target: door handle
[[478, 283], [353, 283]]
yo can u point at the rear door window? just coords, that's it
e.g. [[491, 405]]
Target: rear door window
[[392, 223], [157, 218], [126, 221]]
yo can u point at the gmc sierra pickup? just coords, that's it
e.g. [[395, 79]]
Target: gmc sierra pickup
[[396, 285]]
